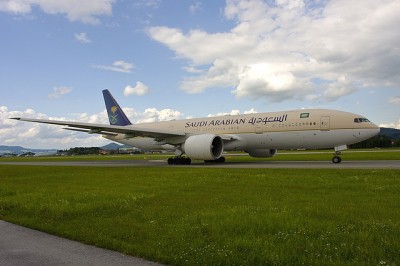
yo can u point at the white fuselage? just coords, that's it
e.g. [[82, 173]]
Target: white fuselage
[[297, 129]]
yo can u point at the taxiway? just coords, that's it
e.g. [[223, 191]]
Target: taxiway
[[23, 246], [376, 164]]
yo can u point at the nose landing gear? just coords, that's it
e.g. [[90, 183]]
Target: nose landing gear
[[336, 159], [338, 150]]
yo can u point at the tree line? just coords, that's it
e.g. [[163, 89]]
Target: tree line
[[82, 151], [379, 141]]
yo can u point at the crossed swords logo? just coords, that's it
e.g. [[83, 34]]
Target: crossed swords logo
[[113, 118]]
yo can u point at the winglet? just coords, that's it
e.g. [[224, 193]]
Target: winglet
[[115, 114]]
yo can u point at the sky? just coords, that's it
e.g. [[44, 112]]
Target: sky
[[166, 60]]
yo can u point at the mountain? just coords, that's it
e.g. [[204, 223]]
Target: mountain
[[111, 147], [391, 133], [18, 150]]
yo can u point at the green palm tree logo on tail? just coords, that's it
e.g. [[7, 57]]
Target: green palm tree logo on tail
[[113, 118]]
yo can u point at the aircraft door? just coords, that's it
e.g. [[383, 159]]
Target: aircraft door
[[325, 123], [259, 129]]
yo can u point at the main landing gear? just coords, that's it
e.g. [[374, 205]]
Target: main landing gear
[[179, 160], [219, 160]]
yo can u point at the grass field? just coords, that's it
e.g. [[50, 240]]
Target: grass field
[[189, 216]]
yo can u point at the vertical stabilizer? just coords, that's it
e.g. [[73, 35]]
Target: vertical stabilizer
[[116, 116]]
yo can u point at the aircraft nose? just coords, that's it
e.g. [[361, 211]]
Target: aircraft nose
[[375, 130]]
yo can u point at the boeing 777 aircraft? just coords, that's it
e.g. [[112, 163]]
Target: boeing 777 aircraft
[[260, 135]]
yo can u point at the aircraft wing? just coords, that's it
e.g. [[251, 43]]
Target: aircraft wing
[[91, 128]]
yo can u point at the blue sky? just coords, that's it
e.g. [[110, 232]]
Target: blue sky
[[177, 59]]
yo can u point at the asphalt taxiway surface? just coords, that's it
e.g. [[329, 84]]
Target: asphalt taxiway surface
[[23, 246], [378, 164]]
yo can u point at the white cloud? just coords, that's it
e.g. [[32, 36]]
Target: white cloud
[[16, 7], [391, 125], [154, 115], [338, 89], [265, 80], [75, 10], [223, 73], [59, 91], [140, 89], [286, 50], [147, 3], [117, 66], [99, 118], [251, 111], [234, 112], [197, 6], [82, 37], [191, 69], [394, 100], [19, 133]]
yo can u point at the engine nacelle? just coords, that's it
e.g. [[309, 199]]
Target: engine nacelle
[[262, 153], [203, 147]]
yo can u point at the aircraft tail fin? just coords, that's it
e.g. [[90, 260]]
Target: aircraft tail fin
[[115, 114]]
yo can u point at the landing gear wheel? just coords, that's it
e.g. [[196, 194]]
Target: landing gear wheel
[[336, 156], [219, 160], [179, 161], [336, 159]]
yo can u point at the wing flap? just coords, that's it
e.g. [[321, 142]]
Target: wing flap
[[91, 131]]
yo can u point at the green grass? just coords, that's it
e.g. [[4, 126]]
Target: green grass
[[187, 216]]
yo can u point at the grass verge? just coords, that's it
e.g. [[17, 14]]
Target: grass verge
[[214, 216]]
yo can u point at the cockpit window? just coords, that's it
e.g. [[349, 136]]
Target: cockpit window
[[361, 120]]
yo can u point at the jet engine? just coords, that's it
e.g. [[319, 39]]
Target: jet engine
[[262, 153], [203, 147]]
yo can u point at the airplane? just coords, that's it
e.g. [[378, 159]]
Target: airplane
[[259, 135]]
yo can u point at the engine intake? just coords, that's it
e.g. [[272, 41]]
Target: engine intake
[[203, 147]]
